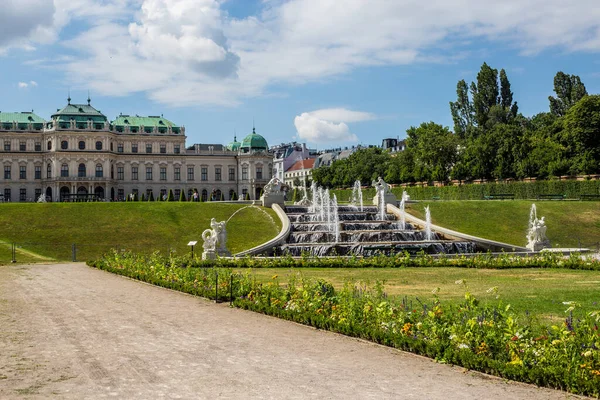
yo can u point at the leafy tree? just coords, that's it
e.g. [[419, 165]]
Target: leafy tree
[[462, 110], [569, 90], [581, 135], [435, 150]]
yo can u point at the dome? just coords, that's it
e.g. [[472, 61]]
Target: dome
[[235, 145], [254, 141]]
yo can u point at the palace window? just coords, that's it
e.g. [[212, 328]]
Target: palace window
[[49, 145], [38, 193], [134, 173], [98, 145], [81, 145], [148, 173], [7, 195], [119, 147], [244, 173], [120, 194], [64, 145], [217, 173], [177, 194], [163, 194], [232, 174], [120, 173], [38, 172], [23, 172], [134, 148], [81, 172], [177, 149], [148, 148], [163, 148], [23, 194], [22, 146], [204, 173], [177, 173], [149, 193], [6, 145], [163, 173], [64, 170], [99, 171], [259, 173], [38, 146], [49, 171], [7, 172], [191, 173]]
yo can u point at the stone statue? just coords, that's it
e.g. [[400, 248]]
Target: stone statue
[[536, 236], [380, 185], [272, 193], [221, 232], [274, 186], [210, 241], [41, 199]]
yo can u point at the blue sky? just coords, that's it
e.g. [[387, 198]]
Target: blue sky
[[327, 72]]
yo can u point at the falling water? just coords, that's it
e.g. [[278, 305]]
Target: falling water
[[428, 235], [402, 215], [335, 219], [382, 208], [532, 216], [313, 206], [357, 198]]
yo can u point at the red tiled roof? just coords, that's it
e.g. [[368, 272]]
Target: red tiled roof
[[302, 164]]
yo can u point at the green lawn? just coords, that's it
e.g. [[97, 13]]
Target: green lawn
[[539, 291], [49, 230], [570, 223]]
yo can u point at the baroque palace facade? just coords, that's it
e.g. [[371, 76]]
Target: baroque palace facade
[[80, 155]]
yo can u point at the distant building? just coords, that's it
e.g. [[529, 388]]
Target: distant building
[[393, 145], [327, 157], [301, 170], [80, 155], [286, 154]]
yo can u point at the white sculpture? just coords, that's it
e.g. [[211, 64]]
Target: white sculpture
[[41, 199], [210, 241], [384, 194], [536, 235], [380, 185], [274, 186], [221, 233]]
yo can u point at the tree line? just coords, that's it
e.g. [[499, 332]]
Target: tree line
[[490, 140]]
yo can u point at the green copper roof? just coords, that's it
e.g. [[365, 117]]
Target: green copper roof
[[235, 145], [254, 141], [149, 123], [78, 113], [21, 117]]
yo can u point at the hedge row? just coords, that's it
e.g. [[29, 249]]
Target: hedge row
[[522, 190]]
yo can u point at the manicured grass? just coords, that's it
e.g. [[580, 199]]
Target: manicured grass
[[539, 292], [50, 229], [570, 223]]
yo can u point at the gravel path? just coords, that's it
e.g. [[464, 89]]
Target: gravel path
[[70, 331]]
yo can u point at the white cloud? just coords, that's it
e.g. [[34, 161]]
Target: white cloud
[[25, 85], [189, 52], [22, 20], [329, 125]]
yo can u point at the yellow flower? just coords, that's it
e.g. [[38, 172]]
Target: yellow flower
[[274, 277]]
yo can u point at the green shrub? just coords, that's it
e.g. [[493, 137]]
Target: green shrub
[[182, 195], [170, 196]]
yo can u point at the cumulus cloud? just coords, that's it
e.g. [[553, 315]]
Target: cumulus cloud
[[189, 52], [23, 20], [329, 125]]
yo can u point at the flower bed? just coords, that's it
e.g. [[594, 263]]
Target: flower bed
[[493, 340]]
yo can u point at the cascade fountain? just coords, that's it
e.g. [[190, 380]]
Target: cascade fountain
[[325, 228], [382, 206], [357, 197]]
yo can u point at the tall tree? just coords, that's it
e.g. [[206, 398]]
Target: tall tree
[[581, 135], [435, 148], [486, 93], [462, 110], [569, 90]]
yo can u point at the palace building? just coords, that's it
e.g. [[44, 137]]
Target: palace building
[[80, 155]]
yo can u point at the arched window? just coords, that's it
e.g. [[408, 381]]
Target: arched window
[[81, 145], [64, 145], [204, 195], [64, 170], [81, 170], [49, 145], [98, 145], [99, 171], [49, 171]]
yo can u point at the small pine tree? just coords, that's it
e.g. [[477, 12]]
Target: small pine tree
[[182, 195], [170, 197], [247, 196], [151, 197], [234, 197], [126, 198], [222, 196], [143, 198], [135, 197]]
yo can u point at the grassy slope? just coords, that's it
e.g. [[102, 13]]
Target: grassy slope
[[540, 291], [50, 229], [569, 222]]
